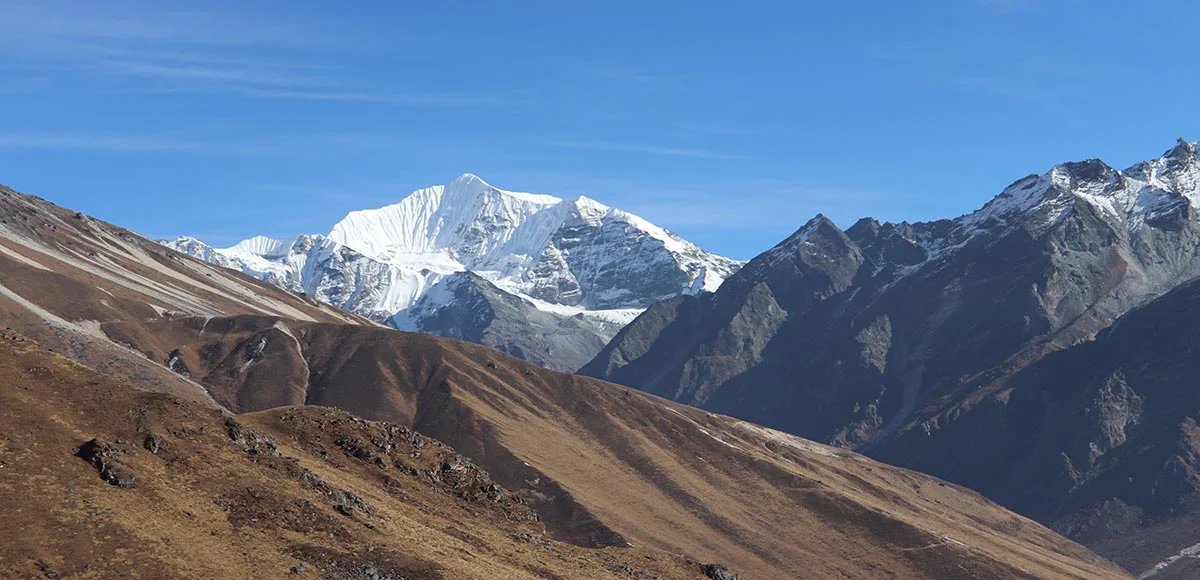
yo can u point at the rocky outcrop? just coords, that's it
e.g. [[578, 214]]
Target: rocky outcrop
[[480, 312], [106, 459], [718, 572]]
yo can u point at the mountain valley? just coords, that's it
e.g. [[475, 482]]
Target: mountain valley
[[208, 374]]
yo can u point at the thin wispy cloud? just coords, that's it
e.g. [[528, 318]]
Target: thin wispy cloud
[[18, 85], [624, 80], [122, 144], [990, 66], [157, 51], [641, 148], [358, 197], [204, 74], [58, 24], [624, 74], [402, 100], [289, 146], [1005, 5]]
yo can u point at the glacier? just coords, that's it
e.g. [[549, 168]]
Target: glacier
[[404, 264]]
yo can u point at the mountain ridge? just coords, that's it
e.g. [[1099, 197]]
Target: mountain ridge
[[567, 258], [888, 337], [625, 467]]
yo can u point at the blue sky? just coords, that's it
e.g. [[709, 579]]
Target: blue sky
[[730, 123]]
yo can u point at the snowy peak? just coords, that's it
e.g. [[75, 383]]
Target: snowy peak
[[560, 251], [469, 185], [589, 209], [1178, 171], [814, 240], [467, 221], [470, 181], [187, 245], [1084, 174], [1183, 150], [264, 247], [564, 257], [1126, 198], [1162, 193], [819, 225]]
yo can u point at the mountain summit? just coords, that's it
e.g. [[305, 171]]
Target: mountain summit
[[544, 278], [909, 342]]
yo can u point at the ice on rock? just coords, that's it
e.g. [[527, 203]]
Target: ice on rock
[[563, 256]]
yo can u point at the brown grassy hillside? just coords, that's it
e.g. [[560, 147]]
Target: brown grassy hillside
[[603, 466], [301, 492]]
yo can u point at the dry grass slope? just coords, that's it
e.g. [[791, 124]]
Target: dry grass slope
[[266, 496], [602, 465]]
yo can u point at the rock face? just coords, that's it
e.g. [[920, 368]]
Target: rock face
[[576, 268], [902, 340], [485, 314], [1100, 440], [718, 572], [105, 459]]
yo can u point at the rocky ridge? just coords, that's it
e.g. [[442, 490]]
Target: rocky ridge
[[903, 340], [429, 263]]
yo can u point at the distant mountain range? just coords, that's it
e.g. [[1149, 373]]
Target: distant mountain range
[[546, 279], [1025, 350], [191, 435], [1041, 350]]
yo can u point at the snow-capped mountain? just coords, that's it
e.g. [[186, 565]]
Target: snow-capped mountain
[[406, 263], [1050, 261], [1039, 350]]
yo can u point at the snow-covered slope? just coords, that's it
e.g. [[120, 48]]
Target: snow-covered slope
[[568, 258]]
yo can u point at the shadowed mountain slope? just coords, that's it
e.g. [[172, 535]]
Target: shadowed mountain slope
[[600, 464], [907, 342], [1099, 440]]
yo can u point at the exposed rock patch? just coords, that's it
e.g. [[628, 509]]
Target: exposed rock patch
[[106, 459]]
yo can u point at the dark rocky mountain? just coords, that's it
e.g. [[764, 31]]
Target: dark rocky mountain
[[485, 314], [602, 466], [904, 340], [1100, 441]]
